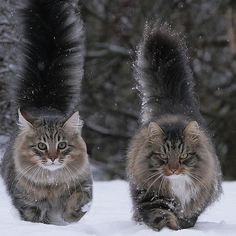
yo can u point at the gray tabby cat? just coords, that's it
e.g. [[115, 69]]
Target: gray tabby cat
[[173, 170], [46, 168]]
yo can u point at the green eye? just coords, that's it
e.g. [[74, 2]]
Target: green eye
[[184, 156], [62, 145], [42, 146], [159, 159], [160, 156]]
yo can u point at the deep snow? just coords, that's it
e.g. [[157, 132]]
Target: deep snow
[[110, 215]]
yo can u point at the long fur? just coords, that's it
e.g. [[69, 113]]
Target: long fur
[[47, 91], [172, 129], [163, 74], [53, 56]]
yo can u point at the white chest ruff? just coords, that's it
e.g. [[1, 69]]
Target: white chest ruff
[[182, 187]]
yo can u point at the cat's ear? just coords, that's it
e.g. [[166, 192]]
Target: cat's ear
[[73, 123], [24, 120], [192, 131], [154, 130]]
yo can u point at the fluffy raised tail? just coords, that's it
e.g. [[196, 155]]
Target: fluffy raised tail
[[52, 56], [163, 75]]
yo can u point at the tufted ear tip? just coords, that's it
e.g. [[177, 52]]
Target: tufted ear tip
[[154, 129], [24, 120], [73, 122], [192, 131], [192, 127]]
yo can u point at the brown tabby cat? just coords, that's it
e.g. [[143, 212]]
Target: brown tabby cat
[[47, 170], [46, 167], [173, 170]]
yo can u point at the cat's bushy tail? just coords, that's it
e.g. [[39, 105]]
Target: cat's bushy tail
[[52, 55], [163, 74]]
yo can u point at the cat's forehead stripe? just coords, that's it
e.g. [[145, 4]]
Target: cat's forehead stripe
[[173, 144], [47, 135], [55, 135], [50, 135]]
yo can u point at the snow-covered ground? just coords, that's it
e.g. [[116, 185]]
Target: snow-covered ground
[[110, 215]]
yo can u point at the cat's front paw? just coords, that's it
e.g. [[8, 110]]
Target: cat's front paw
[[172, 222], [76, 214], [77, 206], [73, 216], [160, 219], [34, 214]]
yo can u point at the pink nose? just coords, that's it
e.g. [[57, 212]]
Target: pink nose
[[53, 158], [173, 170]]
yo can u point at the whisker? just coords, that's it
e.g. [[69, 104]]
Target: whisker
[[148, 170], [151, 176], [197, 179], [153, 183], [68, 174], [77, 179], [29, 181], [162, 180], [22, 174]]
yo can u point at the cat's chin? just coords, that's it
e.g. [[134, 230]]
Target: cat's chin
[[175, 177], [52, 167]]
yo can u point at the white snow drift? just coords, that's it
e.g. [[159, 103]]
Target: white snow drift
[[110, 215]]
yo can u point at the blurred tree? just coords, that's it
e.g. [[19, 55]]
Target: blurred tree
[[109, 102], [8, 42]]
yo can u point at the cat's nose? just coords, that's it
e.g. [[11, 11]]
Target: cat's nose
[[173, 170], [52, 158]]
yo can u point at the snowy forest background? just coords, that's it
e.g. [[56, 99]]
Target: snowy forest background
[[109, 102]]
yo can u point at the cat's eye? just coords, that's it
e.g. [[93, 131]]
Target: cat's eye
[[184, 156], [62, 145], [160, 155], [42, 146]]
